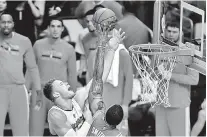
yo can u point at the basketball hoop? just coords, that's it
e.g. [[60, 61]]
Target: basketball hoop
[[154, 63]]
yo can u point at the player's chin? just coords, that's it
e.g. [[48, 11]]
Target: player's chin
[[71, 94]]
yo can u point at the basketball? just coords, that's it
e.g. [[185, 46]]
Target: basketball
[[105, 17]]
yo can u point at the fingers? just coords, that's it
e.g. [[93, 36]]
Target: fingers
[[119, 30], [122, 34], [38, 105], [123, 38], [99, 28]]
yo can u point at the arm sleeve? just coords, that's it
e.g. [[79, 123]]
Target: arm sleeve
[[190, 78], [32, 68], [72, 76], [79, 45], [128, 77]]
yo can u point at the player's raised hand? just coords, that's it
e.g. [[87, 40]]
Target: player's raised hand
[[116, 38]]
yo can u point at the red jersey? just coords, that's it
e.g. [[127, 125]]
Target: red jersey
[[100, 128]]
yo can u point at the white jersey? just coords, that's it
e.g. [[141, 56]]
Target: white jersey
[[74, 117]]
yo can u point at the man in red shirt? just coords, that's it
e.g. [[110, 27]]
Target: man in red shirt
[[15, 49]]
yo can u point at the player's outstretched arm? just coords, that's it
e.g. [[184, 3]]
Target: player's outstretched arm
[[96, 89], [102, 68]]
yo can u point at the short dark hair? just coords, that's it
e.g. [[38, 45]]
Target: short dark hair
[[55, 18], [172, 24], [114, 115], [6, 13], [48, 90]]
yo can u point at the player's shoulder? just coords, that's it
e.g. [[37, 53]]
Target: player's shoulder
[[21, 37], [84, 33], [66, 45], [124, 54], [41, 42], [56, 115]]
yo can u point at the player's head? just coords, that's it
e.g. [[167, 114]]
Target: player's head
[[56, 28], [81, 11], [114, 115], [6, 23], [3, 5], [58, 91], [88, 18], [172, 31]]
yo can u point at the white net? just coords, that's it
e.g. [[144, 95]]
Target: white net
[[154, 64]]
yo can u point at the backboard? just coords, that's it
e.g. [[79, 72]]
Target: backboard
[[199, 59]]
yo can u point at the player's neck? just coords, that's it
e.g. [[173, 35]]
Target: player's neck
[[7, 36], [53, 40], [65, 105]]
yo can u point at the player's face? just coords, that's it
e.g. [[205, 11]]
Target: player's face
[[56, 29], [172, 33], [6, 24], [63, 89], [3, 5], [89, 23]]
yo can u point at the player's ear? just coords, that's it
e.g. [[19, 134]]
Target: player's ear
[[56, 94], [63, 28]]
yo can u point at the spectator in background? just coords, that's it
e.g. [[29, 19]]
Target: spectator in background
[[175, 120], [55, 59], [25, 13], [172, 32], [3, 6], [136, 31], [82, 48], [14, 97]]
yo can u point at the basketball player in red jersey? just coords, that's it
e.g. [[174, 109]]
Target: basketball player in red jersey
[[67, 117]]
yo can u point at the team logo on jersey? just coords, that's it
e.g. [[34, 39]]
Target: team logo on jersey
[[9, 48], [79, 122], [52, 55]]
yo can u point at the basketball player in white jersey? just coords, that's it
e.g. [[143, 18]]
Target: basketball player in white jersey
[[68, 116]]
